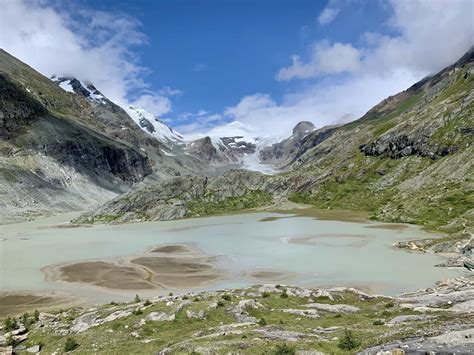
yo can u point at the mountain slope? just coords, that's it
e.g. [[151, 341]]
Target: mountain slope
[[54, 153]]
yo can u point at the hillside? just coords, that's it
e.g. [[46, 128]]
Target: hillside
[[268, 319], [64, 146]]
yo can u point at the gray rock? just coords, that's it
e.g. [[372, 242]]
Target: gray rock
[[34, 349], [116, 315], [196, 315], [284, 335], [409, 318], [335, 308], [160, 317], [455, 338], [309, 313]]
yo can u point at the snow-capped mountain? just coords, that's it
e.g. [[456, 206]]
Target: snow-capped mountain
[[84, 88], [147, 121], [153, 125], [233, 143]]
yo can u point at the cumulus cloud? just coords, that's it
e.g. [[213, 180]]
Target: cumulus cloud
[[425, 36], [430, 35], [91, 45], [329, 13], [325, 59]]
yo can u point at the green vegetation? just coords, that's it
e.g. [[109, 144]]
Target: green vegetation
[[284, 349], [210, 205], [355, 331], [70, 345], [348, 341], [10, 324]]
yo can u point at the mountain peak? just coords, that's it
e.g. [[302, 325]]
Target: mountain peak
[[83, 88], [302, 128]]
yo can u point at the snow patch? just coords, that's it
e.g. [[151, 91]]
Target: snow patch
[[66, 86], [161, 130]]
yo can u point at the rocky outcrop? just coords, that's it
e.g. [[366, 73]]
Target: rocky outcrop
[[223, 150], [190, 196], [397, 147], [288, 151], [248, 319]]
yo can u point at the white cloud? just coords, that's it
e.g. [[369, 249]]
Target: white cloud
[[429, 35], [91, 45], [167, 91], [329, 13], [157, 104], [325, 59]]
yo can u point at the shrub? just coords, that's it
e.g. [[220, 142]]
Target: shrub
[[137, 311], [378, 322], [284, 294], [284, 350], [10, 341], [262, 322], [170, 294], [389, 305], [147, 303], [348, 341], [70, 345], [226, 297], [137, 299], [24, 319], [278, 286], [10, 324], [220, 304], [36, 315], [265, 294]]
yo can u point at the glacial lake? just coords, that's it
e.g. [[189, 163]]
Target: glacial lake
[[310, 252]]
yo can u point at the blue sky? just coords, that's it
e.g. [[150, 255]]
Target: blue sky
[[218, 51], [201, 65]]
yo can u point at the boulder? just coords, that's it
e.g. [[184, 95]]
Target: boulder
[[34, 349], [196, 315], [160, 317]]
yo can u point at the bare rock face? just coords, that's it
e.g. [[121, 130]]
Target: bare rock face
[[400, 146], [222, 150], [204, 149], [288, 151]]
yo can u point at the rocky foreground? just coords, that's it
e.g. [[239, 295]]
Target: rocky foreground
[[268, 319]]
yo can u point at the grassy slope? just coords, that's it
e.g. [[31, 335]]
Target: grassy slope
[[411, 189], [185, 335]]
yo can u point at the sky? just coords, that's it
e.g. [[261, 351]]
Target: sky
[[228, 67]]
